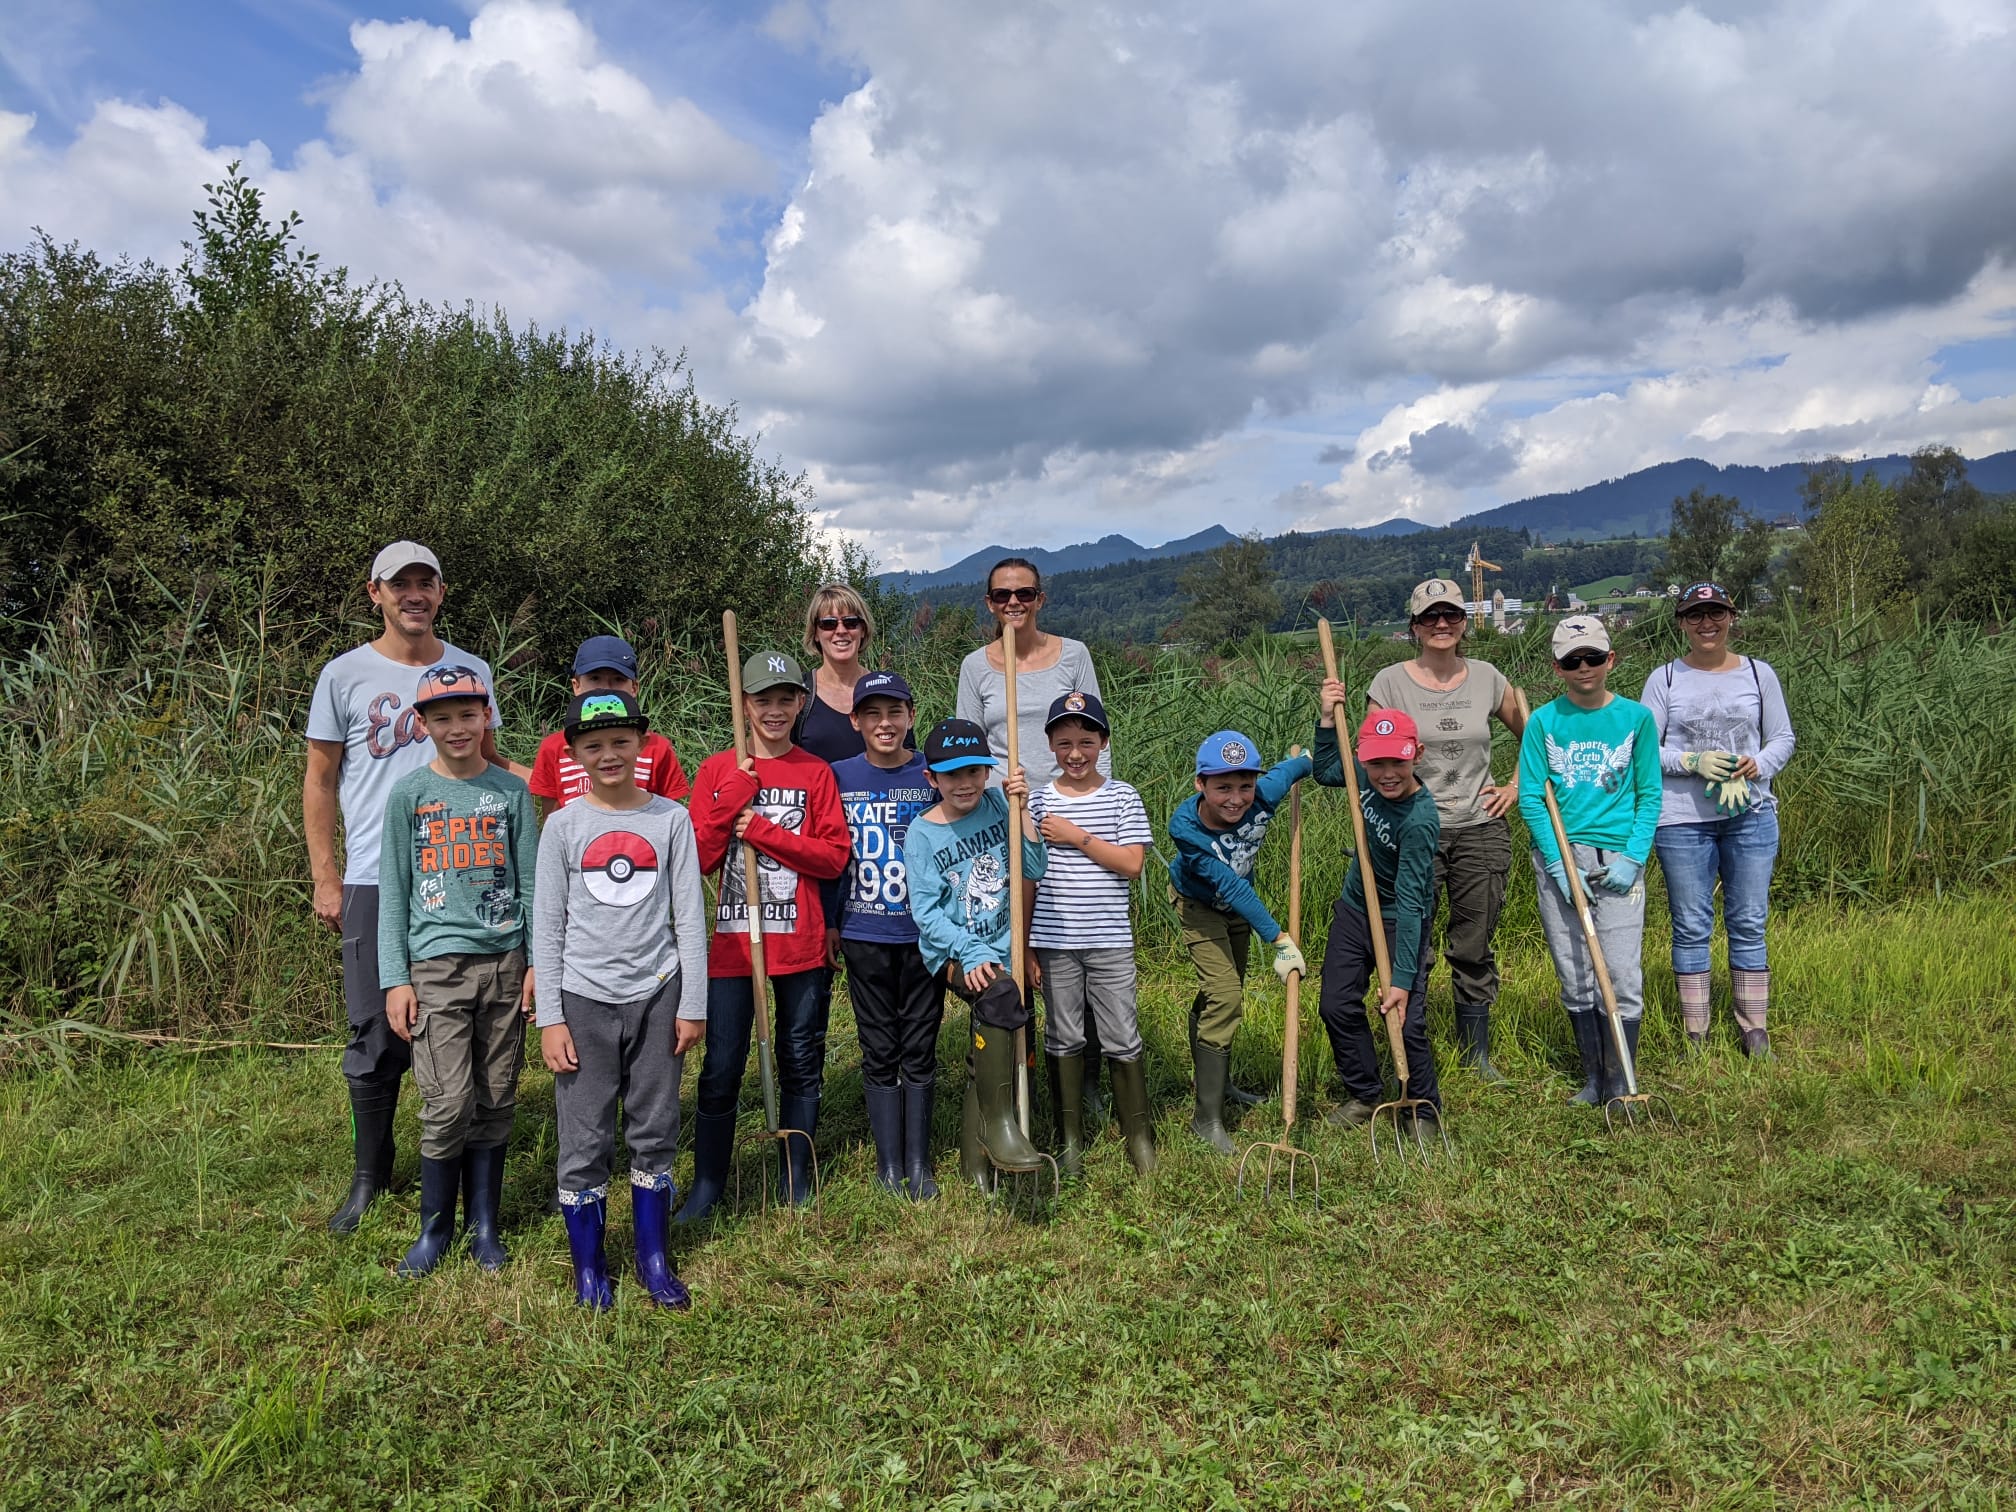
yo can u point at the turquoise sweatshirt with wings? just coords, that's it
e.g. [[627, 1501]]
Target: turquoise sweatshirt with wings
[[1604, 764]]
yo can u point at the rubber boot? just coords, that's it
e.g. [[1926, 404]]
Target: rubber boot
[[1473, 1041], [1001, 1137], [1092, 1101], [794, 1178], [973, 1166], [1130, 1100], [372, 1107], [1208, 1123], [885, 1127], [1067, 1100], [713, 1148], [1589, 1046], [440, 1186], [650, 1215], [1233, 1095], [1757, 1044], [919, 1099], [587, 1214], [1614, 1083], [1697, 1042], [482, 1196]]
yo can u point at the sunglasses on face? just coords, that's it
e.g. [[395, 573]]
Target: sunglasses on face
[[840, 622], [1017, 595], [1575, 661], [1441, 617], [1695, 616]]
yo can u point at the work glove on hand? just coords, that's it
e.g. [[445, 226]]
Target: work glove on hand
[[1621, 877], [1560, 875], [1288, 958], [1732, 796], [1716, 766]]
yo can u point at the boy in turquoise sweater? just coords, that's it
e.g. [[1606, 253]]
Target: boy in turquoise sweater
[[1601, 752]]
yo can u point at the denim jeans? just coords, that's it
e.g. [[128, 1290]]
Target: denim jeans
[[798, 1030], [1741, 850]]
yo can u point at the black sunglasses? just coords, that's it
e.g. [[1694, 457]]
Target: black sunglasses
[[1440, 617], [1574, 661], [1019, 595], [1709, 611], [840, 622]]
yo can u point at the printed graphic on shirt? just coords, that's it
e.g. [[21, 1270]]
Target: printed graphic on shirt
[[1238, 847], [1718, 729], [879, 823], [620, 868], [1590, 763], [785, 808], [984, 887], [473, 850], [1376, 827], [389, 728]]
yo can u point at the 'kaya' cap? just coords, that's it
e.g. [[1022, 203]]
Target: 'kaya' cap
[[882, 685], [402, 554], [1580, 632], [1085, 706], [1435, 591], [1388, 735], [1695, 595], [604, 709], [956, 743], [606, 653], [1227, 751], [439, 684], [772, 669]]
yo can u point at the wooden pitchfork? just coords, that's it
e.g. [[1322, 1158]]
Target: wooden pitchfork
[[1411, 1107], [772, 1136], [1633, 1102], [1284, 1150]]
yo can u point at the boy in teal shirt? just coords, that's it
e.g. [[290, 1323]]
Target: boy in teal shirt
[[1601, 752], [455, 891]]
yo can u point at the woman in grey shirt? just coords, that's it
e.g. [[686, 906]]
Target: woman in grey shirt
[[1046, 668], [1724, 733]]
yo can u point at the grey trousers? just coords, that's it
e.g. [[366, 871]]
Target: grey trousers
[[468, 1048], [624, 1051], [1620, 930], [1101, 981]]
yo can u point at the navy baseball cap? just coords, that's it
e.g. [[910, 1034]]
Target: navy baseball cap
[[1085, 706], [606, 653], [882, 685], [956, 743], [1227, 751], [604, 709]]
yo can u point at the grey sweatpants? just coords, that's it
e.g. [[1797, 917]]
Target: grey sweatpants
[[623, 1051], [468, 1048], [1101, 981], [1620, 930]]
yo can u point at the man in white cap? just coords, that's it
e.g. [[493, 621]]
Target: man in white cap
[[362, 738]]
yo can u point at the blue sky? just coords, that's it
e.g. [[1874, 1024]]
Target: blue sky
[[1030, 274]]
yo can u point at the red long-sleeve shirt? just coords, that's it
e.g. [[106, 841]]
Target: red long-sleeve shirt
[[799, 834]]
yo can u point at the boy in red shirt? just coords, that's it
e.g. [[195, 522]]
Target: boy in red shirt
[[603, 662], [785, 805]]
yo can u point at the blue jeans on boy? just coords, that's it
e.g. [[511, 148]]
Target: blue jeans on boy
[[1741, 850], [798, 1030]]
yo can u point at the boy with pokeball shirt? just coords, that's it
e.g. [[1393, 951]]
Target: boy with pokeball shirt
[[604, 663], [1402, 832], [620, 931]]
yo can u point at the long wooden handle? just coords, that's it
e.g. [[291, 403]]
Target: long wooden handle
[[1291, 1027], [1017, 946], [752, 886]]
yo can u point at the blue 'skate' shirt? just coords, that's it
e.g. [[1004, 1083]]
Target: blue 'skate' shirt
[[879, 802], [1216, 866]]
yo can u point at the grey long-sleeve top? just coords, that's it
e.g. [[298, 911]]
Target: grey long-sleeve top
[[983, 698], [1740, 710]]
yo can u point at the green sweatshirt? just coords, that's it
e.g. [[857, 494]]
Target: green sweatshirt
[[1402, 838], [1604, 764], [455, 875]]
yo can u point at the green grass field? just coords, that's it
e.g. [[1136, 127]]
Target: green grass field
[[1805, 1298]]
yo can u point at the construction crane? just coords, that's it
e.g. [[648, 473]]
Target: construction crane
[[1478, 567]]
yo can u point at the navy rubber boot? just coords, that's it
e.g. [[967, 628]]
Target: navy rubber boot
[[885, 1127], [713, 1148], [440, 1186], [587, 1215], [919, 1099], [482, 1195], [651, 1213], [795, 1180]]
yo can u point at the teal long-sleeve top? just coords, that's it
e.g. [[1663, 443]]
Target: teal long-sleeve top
[[1402, 839], [457, 869], [1216, 866], [959, 883], [1604, 764]]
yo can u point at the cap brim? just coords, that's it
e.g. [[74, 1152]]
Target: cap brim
[[960, 763], [640, 724], [765, 684], [606, 666], [1441, 603], [1230, 771], [1081, 716], [1386, 748]]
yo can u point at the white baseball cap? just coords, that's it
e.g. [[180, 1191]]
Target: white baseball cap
[[1580, 632], [400, 554]]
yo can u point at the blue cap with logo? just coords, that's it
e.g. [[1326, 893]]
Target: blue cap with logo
[[606, 653], [956, 743], [1227, 751], [881, 685], [1085, 706]]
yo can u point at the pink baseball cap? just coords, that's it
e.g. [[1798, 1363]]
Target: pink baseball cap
[[1388, 735]]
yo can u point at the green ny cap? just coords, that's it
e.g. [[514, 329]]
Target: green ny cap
[[771, 669]]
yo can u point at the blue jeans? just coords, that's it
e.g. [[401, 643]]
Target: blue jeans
[[798, 1032], [1741, 851]]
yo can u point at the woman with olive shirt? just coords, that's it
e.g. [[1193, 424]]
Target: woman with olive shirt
[[1452, 701]]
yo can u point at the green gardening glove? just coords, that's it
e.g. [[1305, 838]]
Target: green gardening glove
[[1716, 766], [1731, 797]]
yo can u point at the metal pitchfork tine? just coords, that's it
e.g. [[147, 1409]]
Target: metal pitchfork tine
[[1283, 1151], [1633, 1102], [1394, 1108], [772, 1136]]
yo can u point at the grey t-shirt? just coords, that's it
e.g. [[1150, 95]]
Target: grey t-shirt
[[364, 699], [1740, 710], [983, 698], [618, 908], [1455, 727]]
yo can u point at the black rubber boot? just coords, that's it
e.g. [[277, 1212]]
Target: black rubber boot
[[1001, 1136], [372, 1108], [1208, 1123], [1590, 1030], [794, 1182], [440, 1186], [1130, 1100], [973, 1166], [1757, 1044], [919, 1100], [1473, 1041], [713, 1148], [1067, 1102], [1092, 1101], [482, 1196], [1615, 1085], [885, 1127]]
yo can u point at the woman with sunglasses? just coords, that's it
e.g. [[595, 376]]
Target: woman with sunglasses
[[838, 630], [1046, 668], [1724, 733], [1452, 701]]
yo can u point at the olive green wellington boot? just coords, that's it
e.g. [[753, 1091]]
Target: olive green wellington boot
[[993, 1078], [1130, 1098], [1208, 1123], [1067, 1094]]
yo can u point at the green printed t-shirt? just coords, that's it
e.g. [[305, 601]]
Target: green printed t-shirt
[[456, 869], [1604, 764]]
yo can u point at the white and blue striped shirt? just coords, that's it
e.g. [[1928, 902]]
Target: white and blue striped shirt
[[1081, 905]]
